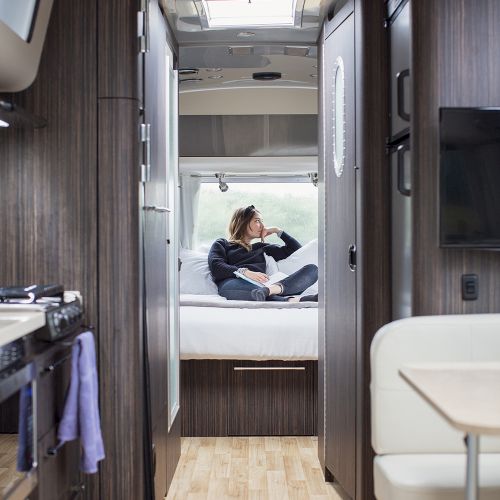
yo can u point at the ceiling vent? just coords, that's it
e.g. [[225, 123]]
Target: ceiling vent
[[188, 71], [266, 76]]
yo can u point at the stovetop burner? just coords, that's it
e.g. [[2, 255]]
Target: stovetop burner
[[32, 294]]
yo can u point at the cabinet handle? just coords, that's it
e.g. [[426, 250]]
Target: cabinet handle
[[402, 149], [400, 79]]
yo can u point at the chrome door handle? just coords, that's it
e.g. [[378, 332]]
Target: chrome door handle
[[153, 208]]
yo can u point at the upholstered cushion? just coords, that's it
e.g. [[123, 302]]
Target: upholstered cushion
[[433, 476], [195, 277], [402, 422], [308, 254]]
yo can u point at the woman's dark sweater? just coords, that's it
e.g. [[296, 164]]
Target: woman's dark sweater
[[224, 257]]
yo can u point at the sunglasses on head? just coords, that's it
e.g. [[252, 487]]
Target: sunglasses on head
[[250, 209]]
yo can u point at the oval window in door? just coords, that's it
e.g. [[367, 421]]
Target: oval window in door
[[338, 117]]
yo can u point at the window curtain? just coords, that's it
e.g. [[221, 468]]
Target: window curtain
[[189, 198]]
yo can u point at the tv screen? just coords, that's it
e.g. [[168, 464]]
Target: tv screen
[[469, 192]]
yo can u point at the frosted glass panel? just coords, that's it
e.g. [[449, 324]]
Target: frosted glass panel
[[173, 201], [18, 15]]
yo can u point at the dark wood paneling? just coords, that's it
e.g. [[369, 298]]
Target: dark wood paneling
[[373, 228], [120, 340], [273, 402], [455, 63], [48, 175], [204, 397], [118, 48], [48, 189]]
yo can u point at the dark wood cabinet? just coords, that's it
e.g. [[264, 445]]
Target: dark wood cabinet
[[340, 290], [58, 467]]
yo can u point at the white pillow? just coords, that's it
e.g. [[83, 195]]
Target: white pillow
[[308, 254], [195, 277]]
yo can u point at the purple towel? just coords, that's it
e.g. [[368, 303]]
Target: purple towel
[[81, 408]]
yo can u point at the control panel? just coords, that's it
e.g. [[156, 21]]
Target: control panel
[[11, 353], [61, 320]]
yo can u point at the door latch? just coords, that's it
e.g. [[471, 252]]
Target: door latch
[[352, 257]]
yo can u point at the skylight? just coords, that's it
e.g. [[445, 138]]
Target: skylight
[[247, 13]]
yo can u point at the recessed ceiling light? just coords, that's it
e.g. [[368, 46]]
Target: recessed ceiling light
[[4, 124], [215, 77], [313, 75], [213, 70], [245, 34]]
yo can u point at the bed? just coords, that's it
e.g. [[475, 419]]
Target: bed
[[247, 368]]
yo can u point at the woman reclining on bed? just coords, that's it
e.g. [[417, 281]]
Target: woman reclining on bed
[[240, 254]]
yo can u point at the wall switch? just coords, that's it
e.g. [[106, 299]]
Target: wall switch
[[469, 286]]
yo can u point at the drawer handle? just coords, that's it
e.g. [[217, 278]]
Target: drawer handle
[[268, 368]]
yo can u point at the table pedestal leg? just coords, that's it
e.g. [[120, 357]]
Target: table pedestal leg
[[471, 484]]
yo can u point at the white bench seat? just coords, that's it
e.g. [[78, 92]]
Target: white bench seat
[[420, 456], [432, 476]]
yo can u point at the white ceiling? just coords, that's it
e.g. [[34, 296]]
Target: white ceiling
[[203, 48]]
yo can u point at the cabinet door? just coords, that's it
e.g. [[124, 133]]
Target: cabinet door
[[340, 280], [400, 73]]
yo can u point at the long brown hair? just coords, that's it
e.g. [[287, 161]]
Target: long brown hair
[[239, 223]]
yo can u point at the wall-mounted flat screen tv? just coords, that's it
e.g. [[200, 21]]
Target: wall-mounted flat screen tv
[[469, 183]]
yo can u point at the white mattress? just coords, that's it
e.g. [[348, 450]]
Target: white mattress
[[278, 333]]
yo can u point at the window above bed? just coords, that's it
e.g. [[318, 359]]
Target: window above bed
[[292, 206]]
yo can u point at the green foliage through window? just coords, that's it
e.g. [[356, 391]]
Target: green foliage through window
[[290, 206]]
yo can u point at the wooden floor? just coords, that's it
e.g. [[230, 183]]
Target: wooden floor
[[8, 462], [250, 468]]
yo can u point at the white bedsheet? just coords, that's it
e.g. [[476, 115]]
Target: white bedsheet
[[247, 333]]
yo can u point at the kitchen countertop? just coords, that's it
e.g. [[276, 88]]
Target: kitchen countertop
[[17, 322]]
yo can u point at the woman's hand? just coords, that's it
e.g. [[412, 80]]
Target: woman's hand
[[266, 231], [260, 277]]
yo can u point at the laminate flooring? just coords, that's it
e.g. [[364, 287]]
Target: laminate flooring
[[8, 462], [263, 468]]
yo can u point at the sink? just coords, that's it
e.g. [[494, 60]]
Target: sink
[[17, 324]]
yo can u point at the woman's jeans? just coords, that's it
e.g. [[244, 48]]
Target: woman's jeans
[[295, 284]]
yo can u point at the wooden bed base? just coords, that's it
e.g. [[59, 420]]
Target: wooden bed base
[[249, 398]]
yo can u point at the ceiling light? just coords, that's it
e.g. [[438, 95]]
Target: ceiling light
[[213, 70], [296, 51], [222, 185], [245, 34], [215, 77], [3, 124], [241, 50], [249, 13]]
